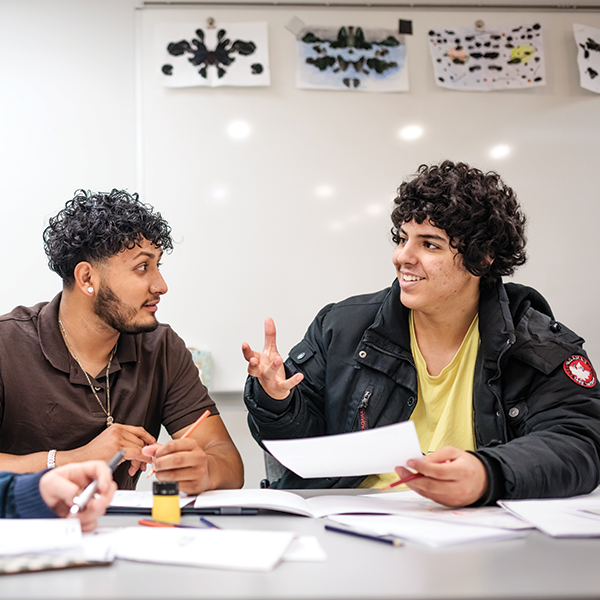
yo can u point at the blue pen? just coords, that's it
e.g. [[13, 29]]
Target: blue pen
[[209, 523], [386, 539]]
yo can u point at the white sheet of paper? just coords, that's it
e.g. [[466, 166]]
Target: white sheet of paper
[[215, 548], [18, 536], [100, 544], [305, 548], [142, 499], [428, 532], [377, 450], [559, 517], [280, 500], [411, 504]]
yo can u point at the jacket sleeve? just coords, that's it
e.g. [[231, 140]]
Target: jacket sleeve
[[20, 497], [553, 432], [301, 414]]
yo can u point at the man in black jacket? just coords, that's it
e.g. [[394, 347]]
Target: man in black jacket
[[503, 397]]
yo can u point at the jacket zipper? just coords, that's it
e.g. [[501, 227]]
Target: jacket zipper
[[362, 409], [509, 343]]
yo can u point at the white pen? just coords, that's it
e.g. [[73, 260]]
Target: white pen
[[82, 499]]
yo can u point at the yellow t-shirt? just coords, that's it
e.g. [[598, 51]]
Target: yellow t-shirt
[[443, 415]]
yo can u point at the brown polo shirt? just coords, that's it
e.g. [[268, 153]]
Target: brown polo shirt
[[46, 401]]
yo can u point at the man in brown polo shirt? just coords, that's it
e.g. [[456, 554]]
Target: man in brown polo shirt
[[93, 372]]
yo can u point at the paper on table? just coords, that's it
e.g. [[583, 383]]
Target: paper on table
[[214, 548], [279, 500], [559, 517], [142, 499], [411, 504], [305, 548], [377, 450], [18, 536], [428, 532]]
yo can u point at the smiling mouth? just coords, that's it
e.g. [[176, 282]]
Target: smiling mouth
[[406, 277]]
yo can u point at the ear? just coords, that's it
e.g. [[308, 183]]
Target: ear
[[87, 278]]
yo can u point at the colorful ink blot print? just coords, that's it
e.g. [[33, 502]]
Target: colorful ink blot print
[[234, 54], [351, 58], [468, 59]]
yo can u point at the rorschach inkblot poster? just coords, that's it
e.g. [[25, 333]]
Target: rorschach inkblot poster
[[234, 54], [351, 58], [469, 59]]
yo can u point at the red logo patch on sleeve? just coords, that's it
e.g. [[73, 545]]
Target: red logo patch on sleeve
[[580, 370]]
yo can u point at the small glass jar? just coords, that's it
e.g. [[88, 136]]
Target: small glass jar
[[165, 505]]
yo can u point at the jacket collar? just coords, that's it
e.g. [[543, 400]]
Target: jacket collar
[[55, 350], [391, 323], [496, 328]]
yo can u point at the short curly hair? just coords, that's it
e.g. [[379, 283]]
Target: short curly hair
[[95, 226], [478, 211]]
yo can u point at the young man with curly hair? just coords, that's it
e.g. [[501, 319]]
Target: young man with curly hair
[[503, 397], [93, 372]]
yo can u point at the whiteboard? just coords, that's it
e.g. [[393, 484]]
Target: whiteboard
[[296, 215]]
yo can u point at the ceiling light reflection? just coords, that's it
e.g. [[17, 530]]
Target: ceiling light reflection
[[500, 151], [239, 130], [324, 191], [411, 132]]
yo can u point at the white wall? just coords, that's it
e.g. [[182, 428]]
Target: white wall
[[67, 121], [68, 118], [269, 246]]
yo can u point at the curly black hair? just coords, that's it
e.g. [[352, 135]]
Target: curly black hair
[[478, 211], [95, 226]]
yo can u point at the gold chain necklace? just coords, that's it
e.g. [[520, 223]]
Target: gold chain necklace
[[109, 418]]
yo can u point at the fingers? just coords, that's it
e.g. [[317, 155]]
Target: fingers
[[249, 354], [59, 487], [137, 433], [451, 477], [182, 460], [96, 507], [270, 337]]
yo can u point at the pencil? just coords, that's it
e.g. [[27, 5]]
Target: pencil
[[189, 432], [401, 481]]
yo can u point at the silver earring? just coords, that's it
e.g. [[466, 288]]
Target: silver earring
[[91, 290]]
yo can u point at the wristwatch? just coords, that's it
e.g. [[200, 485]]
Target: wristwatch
[[52, 459]]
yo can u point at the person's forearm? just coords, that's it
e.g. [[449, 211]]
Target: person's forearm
[[26, 463], [31, 463], [225, 467]]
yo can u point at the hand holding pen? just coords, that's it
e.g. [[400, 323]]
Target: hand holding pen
[[449, 476], [188, 432], [60, 487], [80, 501]]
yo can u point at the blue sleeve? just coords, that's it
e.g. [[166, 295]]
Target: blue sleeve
[[20, 497]]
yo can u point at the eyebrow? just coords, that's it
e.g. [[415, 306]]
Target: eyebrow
[[148, 254], [427, 236]]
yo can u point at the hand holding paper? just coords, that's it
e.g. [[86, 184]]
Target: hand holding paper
[[451, 476]]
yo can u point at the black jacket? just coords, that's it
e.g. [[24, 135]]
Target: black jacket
[[537, 430]]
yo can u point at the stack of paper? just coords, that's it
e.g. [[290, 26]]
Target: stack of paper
[[423, 531], [217, 549], [563, 517], [411, 504], [18, 536]]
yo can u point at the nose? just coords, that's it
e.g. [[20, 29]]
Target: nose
[[404, 254], [159, 285]]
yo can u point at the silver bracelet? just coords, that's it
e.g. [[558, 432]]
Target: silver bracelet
[[52, 459]]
